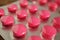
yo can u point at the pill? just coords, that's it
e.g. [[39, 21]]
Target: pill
[[21, 14], [50, 0], [19, 30], [43, 2], [33, 9], [52, 6], [12, 8], [48, 32], [58, 2], [56, 23], [2, 12], [7, 20], [34, 38], [44, 15], [23, 4], [33, 22]]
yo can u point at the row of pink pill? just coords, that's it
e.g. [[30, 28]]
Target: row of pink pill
[[32, 8], [48, 32], [19, 30]]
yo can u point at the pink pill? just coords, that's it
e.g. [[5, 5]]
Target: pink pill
[[56, 23], [1, 12], [21, 14], [50, 0], [33, 9], [7, 20], [24, 4], [58, 2], [34, 38], [12, 8], [48, 32], [52, 6], [43, 2], [33, 22], [44, 14], [19, 30]]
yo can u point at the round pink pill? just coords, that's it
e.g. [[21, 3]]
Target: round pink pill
[[33, 9], [7, 20], [34, 38], [44, 14], [21, 14], [52, 6], [33, 22], [58, 2], [43, 2], [56, 23], [19, 30], [24, 3], [48, 32], [49, 0], [12, 8], [1, 12]]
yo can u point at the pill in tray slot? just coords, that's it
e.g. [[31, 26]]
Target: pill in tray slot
[[30, 20]]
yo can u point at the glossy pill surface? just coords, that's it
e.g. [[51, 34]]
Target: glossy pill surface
[[7, 20], [12, 8], [44, 14], [23, 3], [2, 12], [58, 2], [52, 6], [19, 30], [42, 2], [33, 22], [33, 9], [48, 32], [56, 23], [21, 14], [34, 38]]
